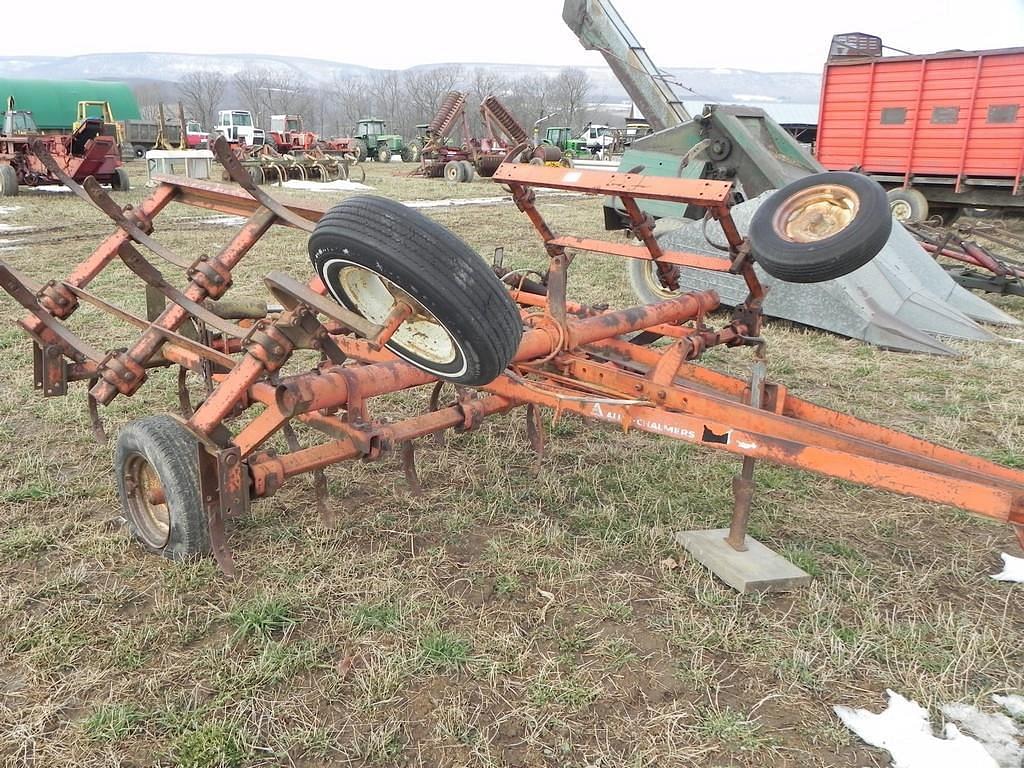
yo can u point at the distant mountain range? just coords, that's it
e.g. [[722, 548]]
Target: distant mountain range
[[723, 85]]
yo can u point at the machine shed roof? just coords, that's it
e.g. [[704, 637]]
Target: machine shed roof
[[54, 103]]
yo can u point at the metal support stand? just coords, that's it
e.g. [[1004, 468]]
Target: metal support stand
[[743, 563]]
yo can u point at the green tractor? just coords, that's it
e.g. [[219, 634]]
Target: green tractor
[[370, 140], [561, 137]]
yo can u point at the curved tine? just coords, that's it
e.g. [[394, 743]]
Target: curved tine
[[40, 151], [106, 204], [238, 174]]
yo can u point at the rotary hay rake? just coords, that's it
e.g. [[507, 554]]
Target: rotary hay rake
[[397, 303]]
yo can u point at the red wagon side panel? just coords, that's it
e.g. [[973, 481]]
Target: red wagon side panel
[[956, 114]]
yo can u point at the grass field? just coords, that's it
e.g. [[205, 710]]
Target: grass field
[[506, 617]]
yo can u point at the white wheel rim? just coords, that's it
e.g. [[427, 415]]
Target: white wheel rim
[[653, 280], [422, 336], [900, 209], [816, 213]]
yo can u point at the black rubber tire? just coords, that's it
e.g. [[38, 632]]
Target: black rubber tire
[[8, 180], [171, 451], [536, 161], [915, 205], [433, 266], [139, 150], [411, 152], [119, 182], [359, 150], [984, 213], [454, 171], [826, 259], [468, 171], [256, 174], [383, 154]]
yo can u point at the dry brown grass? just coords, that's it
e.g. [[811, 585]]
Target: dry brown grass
[[500, 619]]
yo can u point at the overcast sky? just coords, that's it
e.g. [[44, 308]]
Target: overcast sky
[[766, 35]]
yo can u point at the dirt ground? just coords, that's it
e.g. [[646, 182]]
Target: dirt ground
[[506, 617]]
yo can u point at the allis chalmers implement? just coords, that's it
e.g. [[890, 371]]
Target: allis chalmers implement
[[398, 302]]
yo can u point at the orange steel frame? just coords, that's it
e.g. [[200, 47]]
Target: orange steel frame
[[572, 359]]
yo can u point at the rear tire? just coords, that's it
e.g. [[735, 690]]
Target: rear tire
[[454, 171], [411, 152], [119, 181], [359, 150], [157, 454], [366, 247], [140, 151], [469, 171], [907, 205], [383, 154], [8, 181], [821, 227]]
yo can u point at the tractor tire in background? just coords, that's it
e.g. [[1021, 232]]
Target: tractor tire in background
[[820, 227], [536, 161], [119, 182], [371, 251], [908, 205], [256, 174], [454, 171], [139, 151], [411, 152], [383, 154], [469, 171], [157, 470], [8, 180], [359, 150]]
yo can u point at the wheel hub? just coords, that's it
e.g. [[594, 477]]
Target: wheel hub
[[146, 502], [816, 213], [900, 209], [374, 296]]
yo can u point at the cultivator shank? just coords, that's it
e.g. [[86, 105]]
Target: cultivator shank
[[594, 362]]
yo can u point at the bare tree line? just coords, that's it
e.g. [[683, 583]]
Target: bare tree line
[[404, 99]]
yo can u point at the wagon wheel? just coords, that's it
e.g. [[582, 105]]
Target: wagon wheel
[[463, 330], [157, 468]]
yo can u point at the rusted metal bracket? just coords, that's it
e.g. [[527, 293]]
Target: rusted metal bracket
[[224, 488]]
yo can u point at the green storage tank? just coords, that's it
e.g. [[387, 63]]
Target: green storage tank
[[54, 103]]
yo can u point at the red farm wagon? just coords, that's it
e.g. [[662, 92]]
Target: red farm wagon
[[943, 132]]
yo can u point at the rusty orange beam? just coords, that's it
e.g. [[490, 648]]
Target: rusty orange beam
[[703, 192], [1000, 502]]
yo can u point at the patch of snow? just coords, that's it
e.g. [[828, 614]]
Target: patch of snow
[[6, 209], [11, 229], [723, 71], [904, 729], [330, 186], [1012, 703], [997, 732], [1013, 569], [53, 188], [456, 201], [222, 221], [753, 97]]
